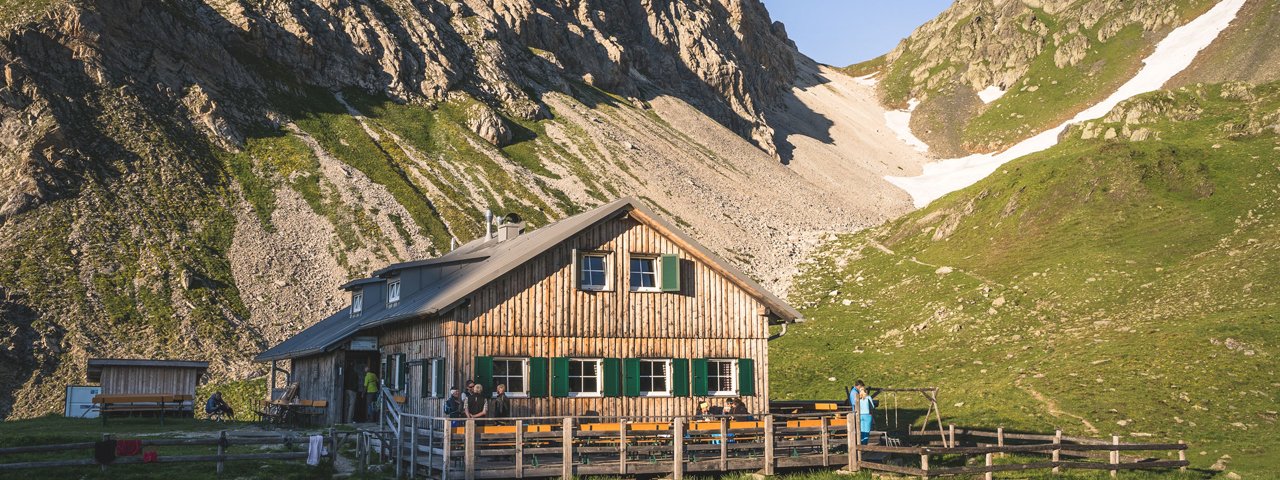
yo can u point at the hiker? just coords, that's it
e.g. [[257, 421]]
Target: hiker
[[501, 404], [466, 390], [704, 411], [217, 409], [453, 406], [865, 403], [370, 394], [476, 406], [736, 407]]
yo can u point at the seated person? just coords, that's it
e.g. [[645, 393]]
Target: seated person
[[217, 409]]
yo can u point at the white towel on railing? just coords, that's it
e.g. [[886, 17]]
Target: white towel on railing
[[315, 449]]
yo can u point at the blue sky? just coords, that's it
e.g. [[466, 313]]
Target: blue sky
[[843, 32]]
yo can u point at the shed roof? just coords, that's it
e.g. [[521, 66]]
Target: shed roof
[[93, 370], [493, 259]]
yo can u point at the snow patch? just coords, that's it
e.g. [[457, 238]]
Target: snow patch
[[868, 79], [899, 122], [990, 94], [1172, 55]]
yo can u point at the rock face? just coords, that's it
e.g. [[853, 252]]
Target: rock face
[[976, 44]]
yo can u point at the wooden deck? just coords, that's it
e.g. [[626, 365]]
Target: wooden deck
[[566, 447]]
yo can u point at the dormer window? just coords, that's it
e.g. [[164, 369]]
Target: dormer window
[[393, 292], [357, 303]]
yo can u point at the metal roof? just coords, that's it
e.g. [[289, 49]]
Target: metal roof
[[494, 259]]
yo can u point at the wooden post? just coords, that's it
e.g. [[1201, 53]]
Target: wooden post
[[826, 443], [724, 444], [1000, 439], [413, 445], [431, 445], [768, 444], [1182, 457], [469, 449], [852, 439], [222, 450], [566, 449], [988, 475], [924, 464], [1115, 454], [447, 461], [519, 448], [1057, 452], [622, 447], [677, 434], [952, 435]]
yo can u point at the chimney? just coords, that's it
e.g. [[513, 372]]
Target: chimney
[[488, 224], [510, 227]]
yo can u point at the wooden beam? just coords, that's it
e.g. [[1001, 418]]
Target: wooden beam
[[677, 463], [768, 445], [1057, 452], [622, 448], [566, 449], [519, 448], [469, 449], [724, 444], [852, 439]]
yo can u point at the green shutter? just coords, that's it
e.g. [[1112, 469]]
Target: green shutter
[[560, 377], [612, 377], [680, 377], [670, 265], [631, 377], [438, 366], [404, 373], [746, 377], [537, 377], [699, 377], [484, 373]]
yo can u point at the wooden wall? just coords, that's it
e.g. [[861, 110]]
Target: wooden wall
[[148, 380], [318, 378], [538, 311]]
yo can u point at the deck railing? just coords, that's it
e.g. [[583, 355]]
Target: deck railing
[[565, 447]]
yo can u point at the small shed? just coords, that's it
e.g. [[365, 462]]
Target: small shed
[[143, 376]]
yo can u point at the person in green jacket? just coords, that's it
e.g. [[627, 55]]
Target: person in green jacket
[[370, 393]]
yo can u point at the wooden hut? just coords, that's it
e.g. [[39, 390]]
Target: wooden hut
[[147, 377], [610, 312]]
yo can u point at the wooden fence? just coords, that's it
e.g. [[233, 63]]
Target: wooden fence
[[574, 446], [223, 442]]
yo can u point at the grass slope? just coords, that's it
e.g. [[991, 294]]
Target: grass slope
[[1103, 286]]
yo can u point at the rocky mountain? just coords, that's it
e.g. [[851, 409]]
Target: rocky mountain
[[193, 178], [1040, 62]]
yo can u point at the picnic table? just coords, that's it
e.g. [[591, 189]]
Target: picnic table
[[290, 411], [138, 402]]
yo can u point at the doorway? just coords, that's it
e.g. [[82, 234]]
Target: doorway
[[354, 401]]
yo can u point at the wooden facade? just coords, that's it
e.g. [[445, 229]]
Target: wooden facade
[[537, 310], [146, 377]]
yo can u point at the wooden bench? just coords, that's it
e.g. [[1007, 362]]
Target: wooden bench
[[138, 403]]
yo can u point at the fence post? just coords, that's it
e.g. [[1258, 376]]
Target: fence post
[[854, 441], [724, 444], [446, 462], [519, 448], [826, 444], [924, 462], [677, 459], [988, 475], [222, 450], [1057, 452], [622, 447], [566, 445], [952, 435], [469, 449], [1115, 454], [413, 445], [768, 444], [1000, 439], [1182, 456]]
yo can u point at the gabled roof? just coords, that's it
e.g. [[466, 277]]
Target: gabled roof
[[492, 259], [93, 368]]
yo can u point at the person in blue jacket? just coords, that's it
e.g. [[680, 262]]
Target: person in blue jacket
[[865, 402]]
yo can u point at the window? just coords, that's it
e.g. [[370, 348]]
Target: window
[[655, 378], [512, 372], [644, 276], [584, 378], [593, 272], [393, 291], [722, 377], [357, 303], [433, 377], [395, 368]]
